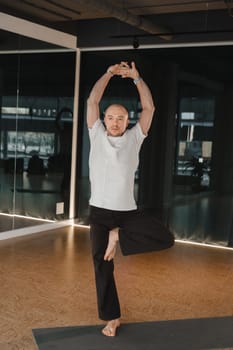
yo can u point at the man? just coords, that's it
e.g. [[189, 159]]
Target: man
[[114, 217]]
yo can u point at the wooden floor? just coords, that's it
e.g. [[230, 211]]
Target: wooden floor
[[47, 281]]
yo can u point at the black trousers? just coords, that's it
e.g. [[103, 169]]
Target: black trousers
[[139, 232]]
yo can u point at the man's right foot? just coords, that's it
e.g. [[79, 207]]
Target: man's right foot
[[110, 329]]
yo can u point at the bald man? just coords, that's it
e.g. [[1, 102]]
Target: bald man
[[114, 217]]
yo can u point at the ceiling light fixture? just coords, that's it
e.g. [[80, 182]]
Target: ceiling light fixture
[[135, 43]]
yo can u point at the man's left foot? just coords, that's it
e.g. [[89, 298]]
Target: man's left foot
[[112, 244]]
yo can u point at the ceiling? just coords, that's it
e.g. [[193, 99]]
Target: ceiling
[[63, 10], [112, 23], [140, 24]]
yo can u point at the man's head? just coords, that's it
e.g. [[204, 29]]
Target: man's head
[[116, 120]]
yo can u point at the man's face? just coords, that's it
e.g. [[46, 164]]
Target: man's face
[[116, 120]]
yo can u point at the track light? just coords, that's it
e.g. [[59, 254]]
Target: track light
[[135, 42]]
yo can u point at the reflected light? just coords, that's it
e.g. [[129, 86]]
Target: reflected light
[[81, 225], [203, 244], [26, 217], [69, 263], [70, 242]]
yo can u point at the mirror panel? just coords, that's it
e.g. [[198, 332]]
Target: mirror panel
[[37, 89]]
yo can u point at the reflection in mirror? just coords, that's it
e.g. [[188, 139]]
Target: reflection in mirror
[[186, 171], [8, 87], [45, 133], [36, 119]]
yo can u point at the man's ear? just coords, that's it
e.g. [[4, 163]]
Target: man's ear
[[104, 121]]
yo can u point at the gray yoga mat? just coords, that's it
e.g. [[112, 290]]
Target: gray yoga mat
[[190, 334]]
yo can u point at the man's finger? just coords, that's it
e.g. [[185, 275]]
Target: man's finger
[[124, 64], [133, 65]]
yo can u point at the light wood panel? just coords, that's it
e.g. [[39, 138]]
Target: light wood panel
[[47, 281]]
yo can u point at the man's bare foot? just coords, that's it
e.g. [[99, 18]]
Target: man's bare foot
[[112, 244], [111, 328]]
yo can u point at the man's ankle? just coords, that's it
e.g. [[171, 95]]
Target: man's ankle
[[115, 233]]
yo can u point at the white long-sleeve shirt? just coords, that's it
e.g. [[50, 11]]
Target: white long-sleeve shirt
[[113, 162]]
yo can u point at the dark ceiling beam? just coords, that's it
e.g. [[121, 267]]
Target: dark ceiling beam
[[125, 16]]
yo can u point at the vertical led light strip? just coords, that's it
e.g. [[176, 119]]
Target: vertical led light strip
[[74, 137]]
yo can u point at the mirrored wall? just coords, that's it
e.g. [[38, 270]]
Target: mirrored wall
[[186, 172], [36, 121]]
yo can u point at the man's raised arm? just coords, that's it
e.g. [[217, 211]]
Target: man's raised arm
[[93, 112], [146, 99]]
